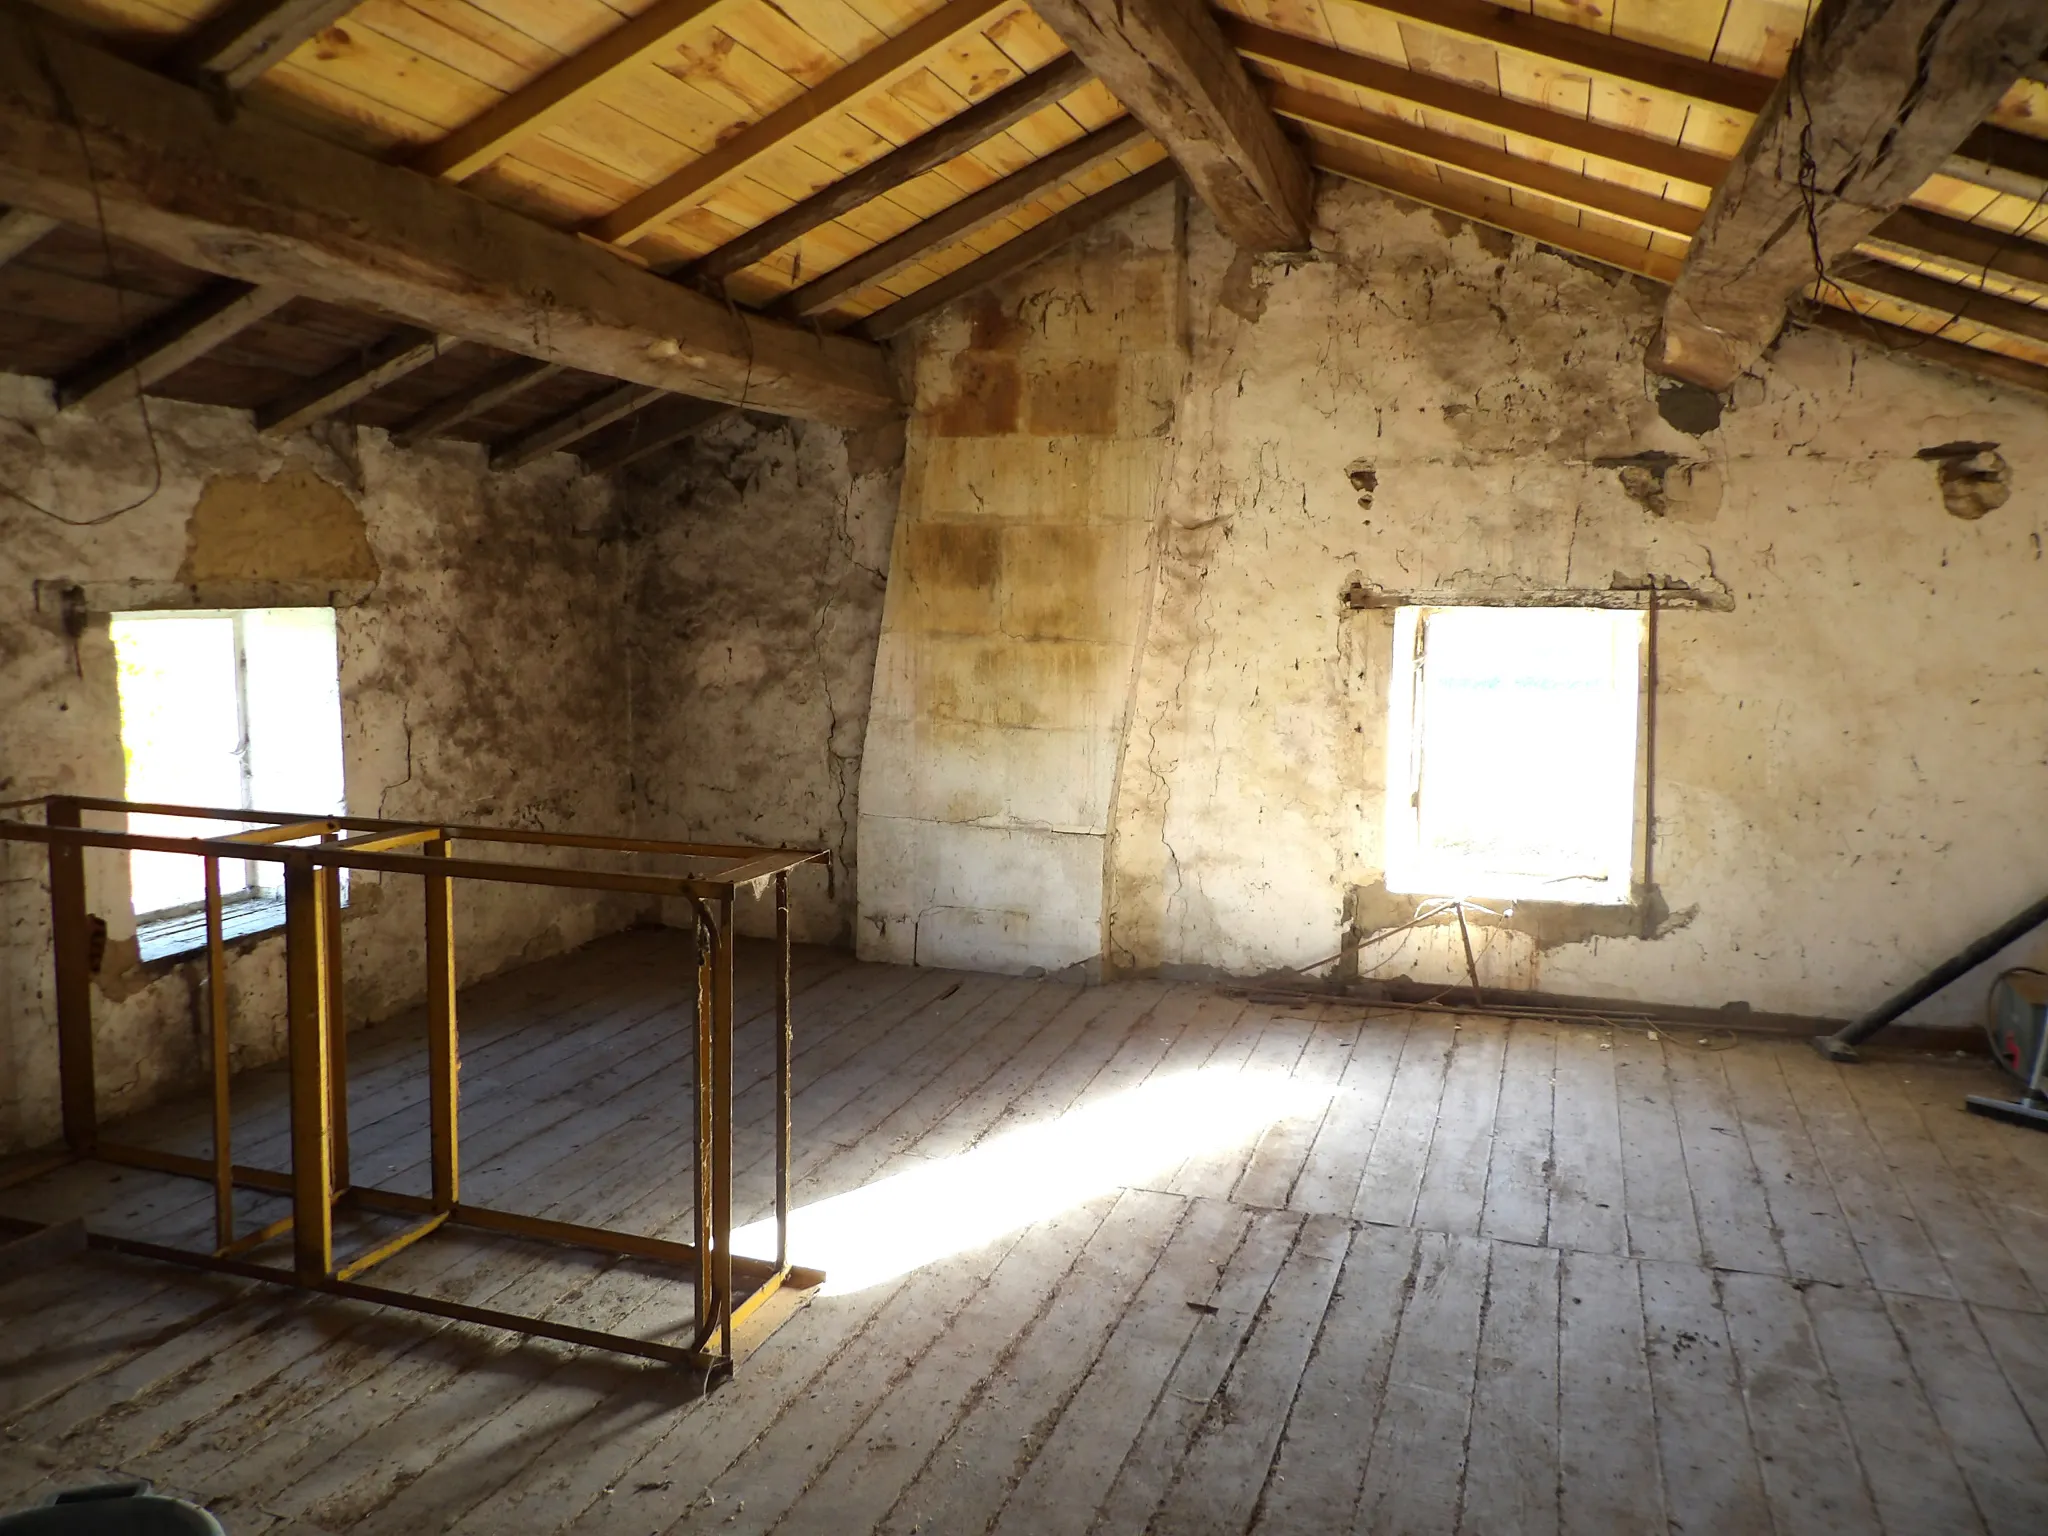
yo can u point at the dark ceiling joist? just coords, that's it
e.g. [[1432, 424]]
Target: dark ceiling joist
[[873, 70], [20, 229], [951, 224], [1170, 64], [927, 152], [245, 37], [343, 385], [1934, 296], [658, 426], [1483, 160], [2004, 161], [1905, 342], [572, 426], [1561, 42], [159, 350], [1878, 94], [83, 132], [1558, 128], [1498, 213], [1015, 255], [507, 383], [534, 106], [1973, 248]]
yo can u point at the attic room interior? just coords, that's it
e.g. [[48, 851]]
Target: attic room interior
[[1023, 766]]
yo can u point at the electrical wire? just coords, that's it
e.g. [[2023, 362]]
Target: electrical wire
[[69, 113]]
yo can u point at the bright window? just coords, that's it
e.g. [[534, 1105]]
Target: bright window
[[1512, 753], [236, 709]]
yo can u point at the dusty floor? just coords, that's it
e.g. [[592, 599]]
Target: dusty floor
[[1393, 1273]]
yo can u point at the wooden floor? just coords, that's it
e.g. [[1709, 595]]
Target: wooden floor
[[1403, 1273]]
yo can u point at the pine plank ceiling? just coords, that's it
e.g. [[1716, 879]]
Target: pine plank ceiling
[[829, 161]]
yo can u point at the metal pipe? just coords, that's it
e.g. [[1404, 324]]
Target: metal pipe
[[1841, 1046]]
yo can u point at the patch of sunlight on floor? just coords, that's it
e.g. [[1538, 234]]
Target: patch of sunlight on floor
[[957, 1204]]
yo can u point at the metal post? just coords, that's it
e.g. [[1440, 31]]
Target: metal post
[[306, 1029], [71, 935], [337, 1023], [217, 1019], [701, 1170], [783, 1051], [721, 1148], [444, 1060]]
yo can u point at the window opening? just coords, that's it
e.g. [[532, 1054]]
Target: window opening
[[234, 708], [1512, 753]]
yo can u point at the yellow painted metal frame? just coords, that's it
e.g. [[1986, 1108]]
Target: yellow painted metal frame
[[313, 850]]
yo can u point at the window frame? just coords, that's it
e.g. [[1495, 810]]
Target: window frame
[[1406, 868]]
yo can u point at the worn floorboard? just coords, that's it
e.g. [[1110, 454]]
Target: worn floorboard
[[1404, 1273]]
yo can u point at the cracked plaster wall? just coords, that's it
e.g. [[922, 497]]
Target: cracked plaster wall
[[1850, 765], [1043, 409], [483, 671], [762, 550]]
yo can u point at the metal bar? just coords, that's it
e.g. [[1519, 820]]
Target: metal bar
[[217, 1019], [306, 1031], [783, 1053], [444, 1061], [337, 1024], [24, 1252], [395, 1245], [721, 1079], [1841, 1045], [700, 1199], [255, 1239], [270, 1180], [377, 842], [35, 1167], [283, 833], [71, 942]]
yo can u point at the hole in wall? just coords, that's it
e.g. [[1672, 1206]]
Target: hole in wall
[[1974, 477], [1364, 479], [1692, 408]]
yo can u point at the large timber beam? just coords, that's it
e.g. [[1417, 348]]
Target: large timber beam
[[83, 133], [1170, 65], [1878, 94]]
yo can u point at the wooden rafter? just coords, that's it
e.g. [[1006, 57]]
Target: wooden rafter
[[872, 71], [1947, 300], [20, 229], [1558, 128], [1972, 247], [1904, 341], [1998, 158], [84, 133], [573, 426], [928, 151], [512, 380], [951, 224], [246, 37], [1877, 95], [159, 350], [1170, 65], [531, 108], [656, 427], [1015, 255], [344, 384], [1483, 160], [1499, 213], [1582, 48]]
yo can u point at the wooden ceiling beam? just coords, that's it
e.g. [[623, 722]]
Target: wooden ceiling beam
[[1168, 62], [2004, 161], [1566, 132], [1973, 247], [158, 350], [573, 426], [245, 37], [507, 383], [879, 67], [1948, 300], [1903, 341], [1483, 160], [1015, 255], [83, 132], [534, 106], [927, 152], [1605, 249], [951, 224], [344, 384], [659, 425], [1581, 48], [1878, 94], [20, 229]]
